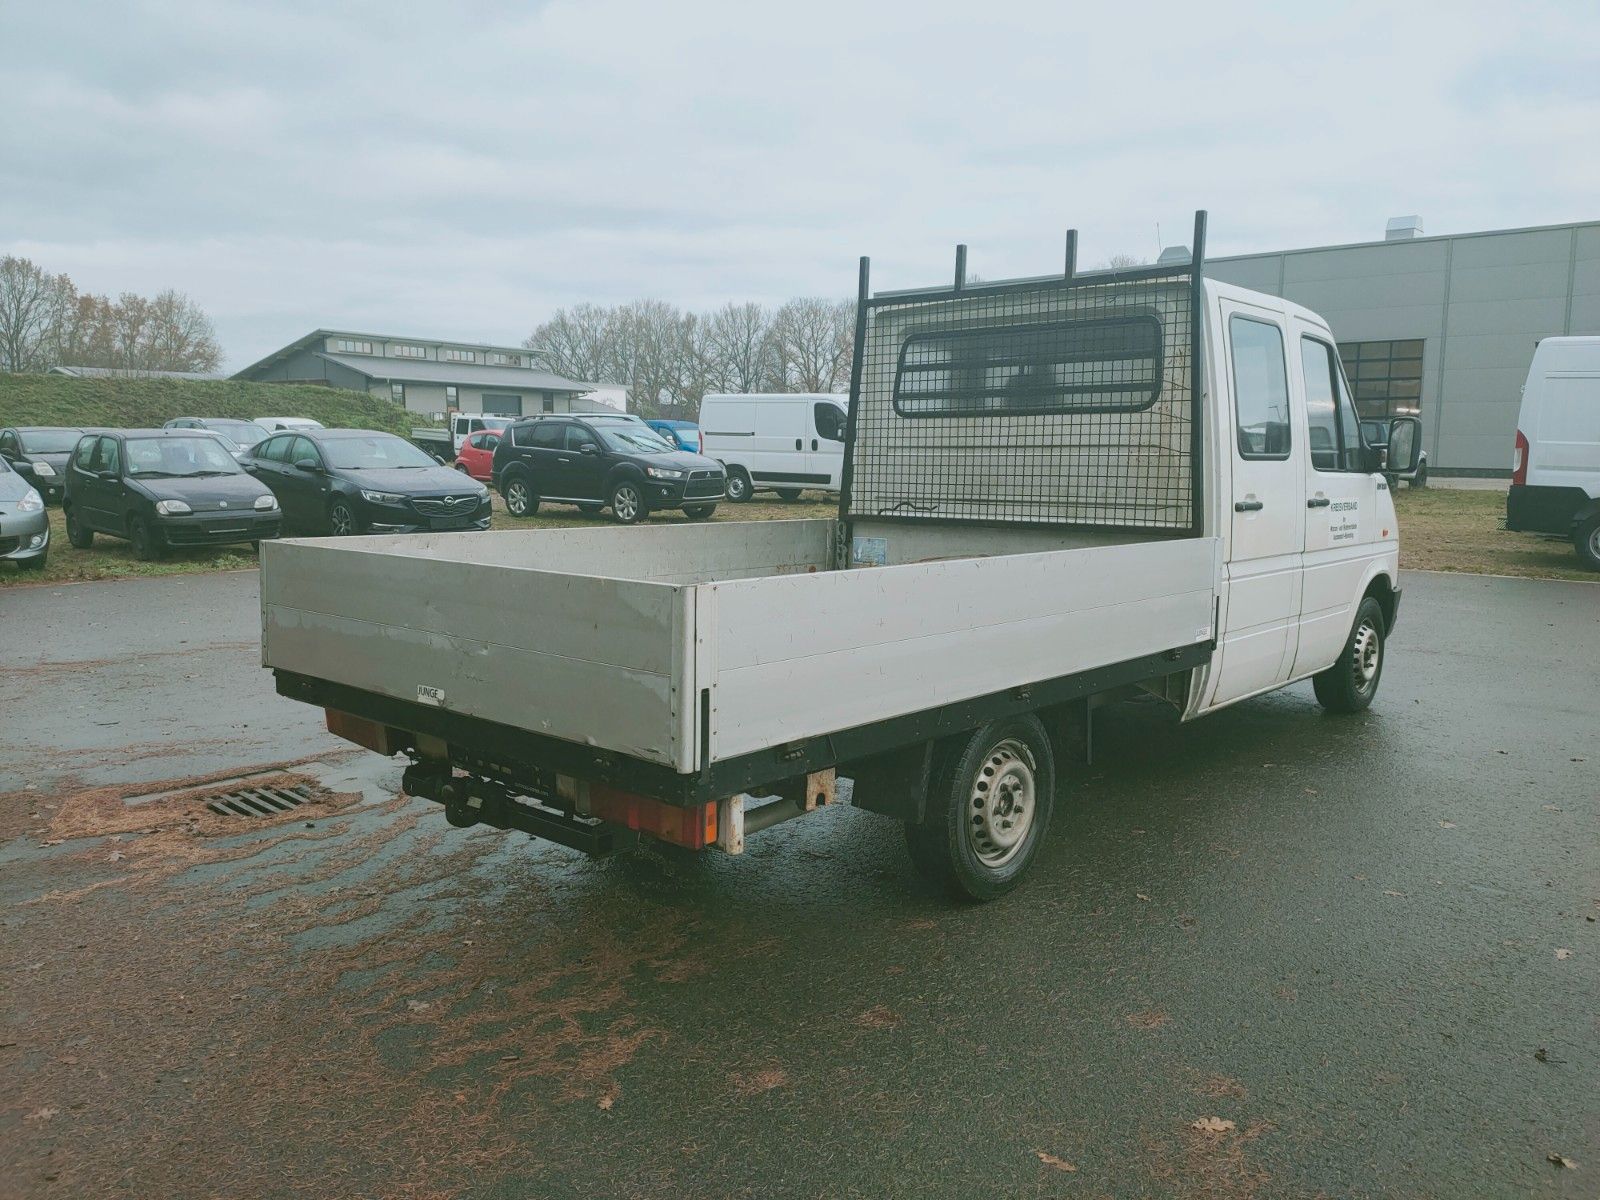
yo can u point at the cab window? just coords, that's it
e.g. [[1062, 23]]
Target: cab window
[[1260, 388], [8, 443], [1331, 424], [579, 437], [108, 458], [84, 458], [829, 419]]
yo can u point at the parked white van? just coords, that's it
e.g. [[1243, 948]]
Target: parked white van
[[784, 442], [1555, 468]]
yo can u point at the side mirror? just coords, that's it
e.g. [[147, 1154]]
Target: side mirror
[[1405, 445], [588, 448], [307, 465]]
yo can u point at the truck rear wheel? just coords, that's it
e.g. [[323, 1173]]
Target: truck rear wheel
[[739, 489], [1350, 684], [1586, 541], [989, 807]]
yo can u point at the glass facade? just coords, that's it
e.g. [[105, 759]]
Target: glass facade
[[1386, 377]]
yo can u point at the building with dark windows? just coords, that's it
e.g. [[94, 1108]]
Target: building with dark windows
[[1441, 327], [428, 376]]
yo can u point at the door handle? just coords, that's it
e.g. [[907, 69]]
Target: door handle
[[563, 460], [1248, 506], [813, 443], [797, 443], [1318, 502]]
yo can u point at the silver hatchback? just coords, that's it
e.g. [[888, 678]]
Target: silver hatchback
[[24, 524]]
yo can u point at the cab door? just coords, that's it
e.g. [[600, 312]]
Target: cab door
[[1341, 535], [1262, 607], [826, 462]]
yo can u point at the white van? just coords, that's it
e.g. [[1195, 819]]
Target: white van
[[1555, 467], [783, 442]]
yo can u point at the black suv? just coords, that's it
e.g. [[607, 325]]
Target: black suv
[[594, 460], [163, 487]]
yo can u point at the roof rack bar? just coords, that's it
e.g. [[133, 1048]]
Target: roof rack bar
[[961, 267], [1072, 253]]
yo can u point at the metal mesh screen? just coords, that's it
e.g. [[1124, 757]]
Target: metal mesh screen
[[1061, 402]]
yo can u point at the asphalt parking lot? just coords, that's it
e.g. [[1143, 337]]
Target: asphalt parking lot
[[1361, 953]]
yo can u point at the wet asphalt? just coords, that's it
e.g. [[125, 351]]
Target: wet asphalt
[[1333, 939]]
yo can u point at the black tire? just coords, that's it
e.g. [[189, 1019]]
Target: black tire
[[1350, 684], [698, 512], [739, 487], [1420, 479], [460, 466], [790, 494], [628, 505], [1002, 776], [342, 520], [79, 535], [34, 564], [1586, 541], [521, 501], [146, 546]]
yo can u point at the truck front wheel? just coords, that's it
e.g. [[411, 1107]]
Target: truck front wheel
[[1586, 541], [1350, 684], [989, 807]]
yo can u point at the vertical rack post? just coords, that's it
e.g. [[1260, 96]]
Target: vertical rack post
[[1072, 253], [1197, 314], [961, 267], [847, 475]]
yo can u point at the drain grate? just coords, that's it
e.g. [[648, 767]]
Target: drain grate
[[259, 802]]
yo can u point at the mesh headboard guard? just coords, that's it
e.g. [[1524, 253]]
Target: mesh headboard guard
[[1063, 401]]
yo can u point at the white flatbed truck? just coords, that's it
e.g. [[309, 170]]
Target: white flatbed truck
[[1057, 491]]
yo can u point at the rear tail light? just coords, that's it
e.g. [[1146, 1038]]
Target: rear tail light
[[1519, 461]]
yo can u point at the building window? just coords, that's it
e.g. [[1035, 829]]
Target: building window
[[459, 356], [502, 405], [498, 358], [1385, 376], [410, 352], [397, 393], [351, 346], [451, 398], [548, 403]]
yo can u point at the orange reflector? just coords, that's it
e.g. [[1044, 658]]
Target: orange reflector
[[694, 828]]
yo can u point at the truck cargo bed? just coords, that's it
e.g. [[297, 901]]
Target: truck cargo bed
[[686, 645]]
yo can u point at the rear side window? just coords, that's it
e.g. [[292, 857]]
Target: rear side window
[[544, 435], [1260, 388]]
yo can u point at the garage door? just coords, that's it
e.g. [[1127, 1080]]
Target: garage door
[[502, 404]]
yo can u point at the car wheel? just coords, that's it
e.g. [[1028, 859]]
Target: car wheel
[[739, 488], [36, 563], [78, 534], [627, 503], [520, 500], [342, 519], [988, 809], [461, 466], [698, 512], [1586, 541], [145, 546], [790, 494], [1350, 684]]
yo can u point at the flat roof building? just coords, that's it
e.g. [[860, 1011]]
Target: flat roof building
[[426, 375], [1442, 327]]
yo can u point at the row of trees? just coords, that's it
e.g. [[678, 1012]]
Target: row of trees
[[671, 358], [45, 322]]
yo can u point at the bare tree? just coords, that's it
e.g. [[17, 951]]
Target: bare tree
[[740, 346], [813, 337], [25, 295], [178, 336], [1121, 262], [580, 343]]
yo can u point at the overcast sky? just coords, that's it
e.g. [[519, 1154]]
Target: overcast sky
[[462, 170]]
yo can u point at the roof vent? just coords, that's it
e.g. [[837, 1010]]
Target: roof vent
[[1173, 254], [1402, 229]]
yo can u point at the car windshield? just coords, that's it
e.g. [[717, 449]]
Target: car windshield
[[178, 457], [242, 434], [379, 451], [49, 441], [634, 439]]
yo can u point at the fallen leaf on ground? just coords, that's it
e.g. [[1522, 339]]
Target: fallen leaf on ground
[[1447, 824], [604, 1103], [1141, 895], [1563, 954], [1389, 893], [1213, 1125], [1541, 1054], [1561, 1160], [419, 1005], [41, 1114], [1050, 1160]]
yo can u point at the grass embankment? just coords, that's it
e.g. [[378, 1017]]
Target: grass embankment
[[1449, 529], [150, 403]]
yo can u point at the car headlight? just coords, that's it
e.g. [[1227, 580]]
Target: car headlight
[[267, 502], [30, 502], [382, 497], [172, 508], [663, 473], [44, 470]]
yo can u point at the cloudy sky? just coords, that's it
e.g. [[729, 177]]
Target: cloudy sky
[[464, 169]]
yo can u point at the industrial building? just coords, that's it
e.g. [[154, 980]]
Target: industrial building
[[429, 376], [1442, 327]]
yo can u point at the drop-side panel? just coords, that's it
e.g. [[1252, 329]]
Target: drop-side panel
[[804, 656], [590, 660]]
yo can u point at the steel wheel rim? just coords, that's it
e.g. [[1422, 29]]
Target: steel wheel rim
[[736, 488], [340, 519], [626, 503], [1594, 542], [517, 498], [1002, 803], [1366, 656]]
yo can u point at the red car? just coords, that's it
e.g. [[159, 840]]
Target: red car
[[476, 457]]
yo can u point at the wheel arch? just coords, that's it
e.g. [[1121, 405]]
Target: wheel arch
[[1381, 588]]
